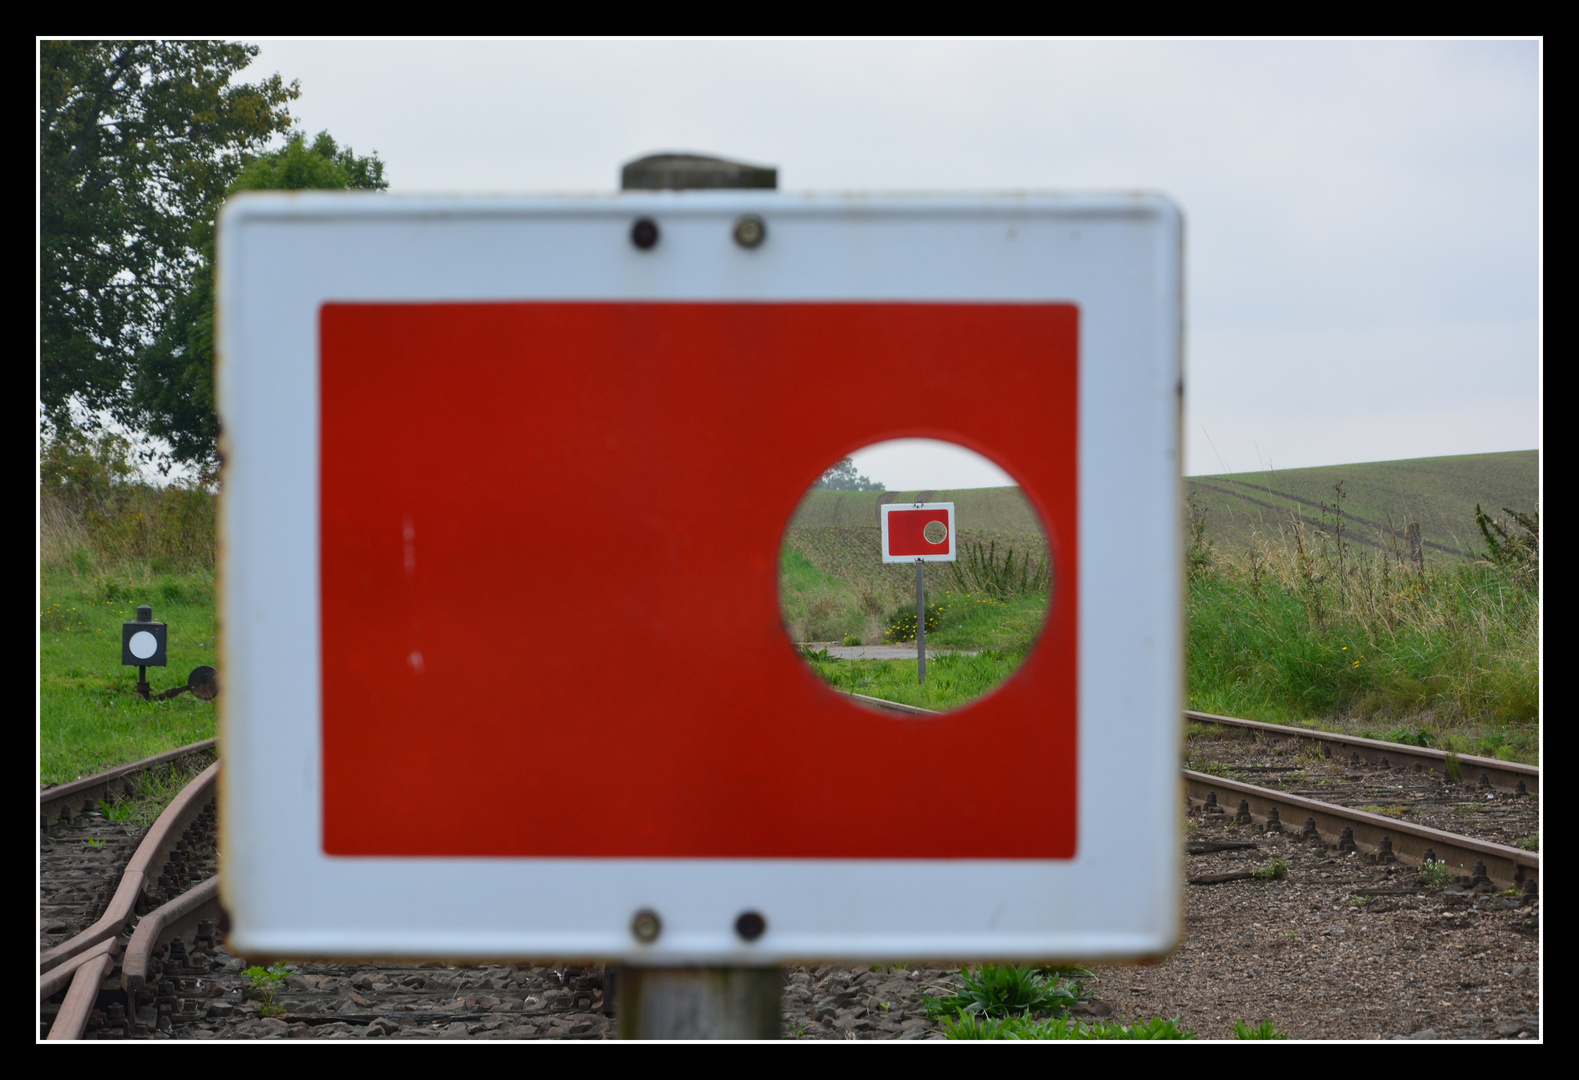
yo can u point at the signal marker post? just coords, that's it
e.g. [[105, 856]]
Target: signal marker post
[[921, 533], [420, 397]]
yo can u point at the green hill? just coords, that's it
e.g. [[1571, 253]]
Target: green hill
[[1380, 499]]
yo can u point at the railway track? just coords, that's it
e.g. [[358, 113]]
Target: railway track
[[150, 960], [1371, 835], [155, 874]]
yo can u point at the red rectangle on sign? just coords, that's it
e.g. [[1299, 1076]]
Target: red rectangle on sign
[[907, 532], [549, 546]]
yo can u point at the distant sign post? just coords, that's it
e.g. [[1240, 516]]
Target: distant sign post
[[472, 445], [921, 533]]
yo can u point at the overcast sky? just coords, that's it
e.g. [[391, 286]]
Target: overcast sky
[[1362, 245]]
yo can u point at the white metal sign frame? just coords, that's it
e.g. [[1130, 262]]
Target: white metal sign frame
[[1119, 258], [944, 550]]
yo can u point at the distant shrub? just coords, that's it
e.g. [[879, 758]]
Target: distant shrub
[[979, 569], [901, 624], [94, 511]]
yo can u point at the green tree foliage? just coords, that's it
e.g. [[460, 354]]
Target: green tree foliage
[[138, 142], [173, 385], [842, 477]]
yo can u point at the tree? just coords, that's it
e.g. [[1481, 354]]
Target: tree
[[841, 477], [172, 393], [138, 142]]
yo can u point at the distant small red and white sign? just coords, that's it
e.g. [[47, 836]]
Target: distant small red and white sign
[[921, 532]]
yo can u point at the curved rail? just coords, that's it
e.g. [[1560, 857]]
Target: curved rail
[[142, 870], [91, 789], [86, 979], [181, 915]]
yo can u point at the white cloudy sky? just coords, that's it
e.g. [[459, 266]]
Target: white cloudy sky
[[1363, 255]]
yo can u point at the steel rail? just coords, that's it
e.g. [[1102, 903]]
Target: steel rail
[[1372, 834], [1487, 772], [86, 980], [143, 869], [90, 789], [1407, 842], [58, 977], [179, 916]]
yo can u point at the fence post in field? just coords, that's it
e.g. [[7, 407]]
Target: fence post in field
[[1416, 547]]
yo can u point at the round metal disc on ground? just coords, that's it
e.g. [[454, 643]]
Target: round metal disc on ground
[[203, 682]]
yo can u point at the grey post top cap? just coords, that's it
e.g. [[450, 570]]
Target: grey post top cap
[[674, 172]]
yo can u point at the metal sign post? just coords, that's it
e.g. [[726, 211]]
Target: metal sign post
[[719, 1002], [923, 532]]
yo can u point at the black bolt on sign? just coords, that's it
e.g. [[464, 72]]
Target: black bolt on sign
[[143, 642]]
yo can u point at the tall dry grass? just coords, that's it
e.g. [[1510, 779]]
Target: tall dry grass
[[97, 516], [1299, 624]]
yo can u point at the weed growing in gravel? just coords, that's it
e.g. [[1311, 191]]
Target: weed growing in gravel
[[1266, 1029], [1389, 811], [1528, 843], [117, 812], [266, 981], [965, 1026], [1450, 763], [1435, 874], [1272, 870], [1002, 991]]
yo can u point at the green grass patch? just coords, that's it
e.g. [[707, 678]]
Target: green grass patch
[[90, 716], [107, 545], [952, 679], [1003, 990], [1293, 635], [967, 1026]]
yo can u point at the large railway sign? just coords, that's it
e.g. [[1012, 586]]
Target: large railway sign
[[505, 483]]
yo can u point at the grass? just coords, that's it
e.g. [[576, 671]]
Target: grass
[[108, 544], [1271, 870], [1303, 627], [967, 1026], [90, 716], [952, 679], [1000, 991]]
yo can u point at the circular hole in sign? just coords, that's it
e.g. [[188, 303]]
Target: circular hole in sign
[[984, 563], [143, 645]]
